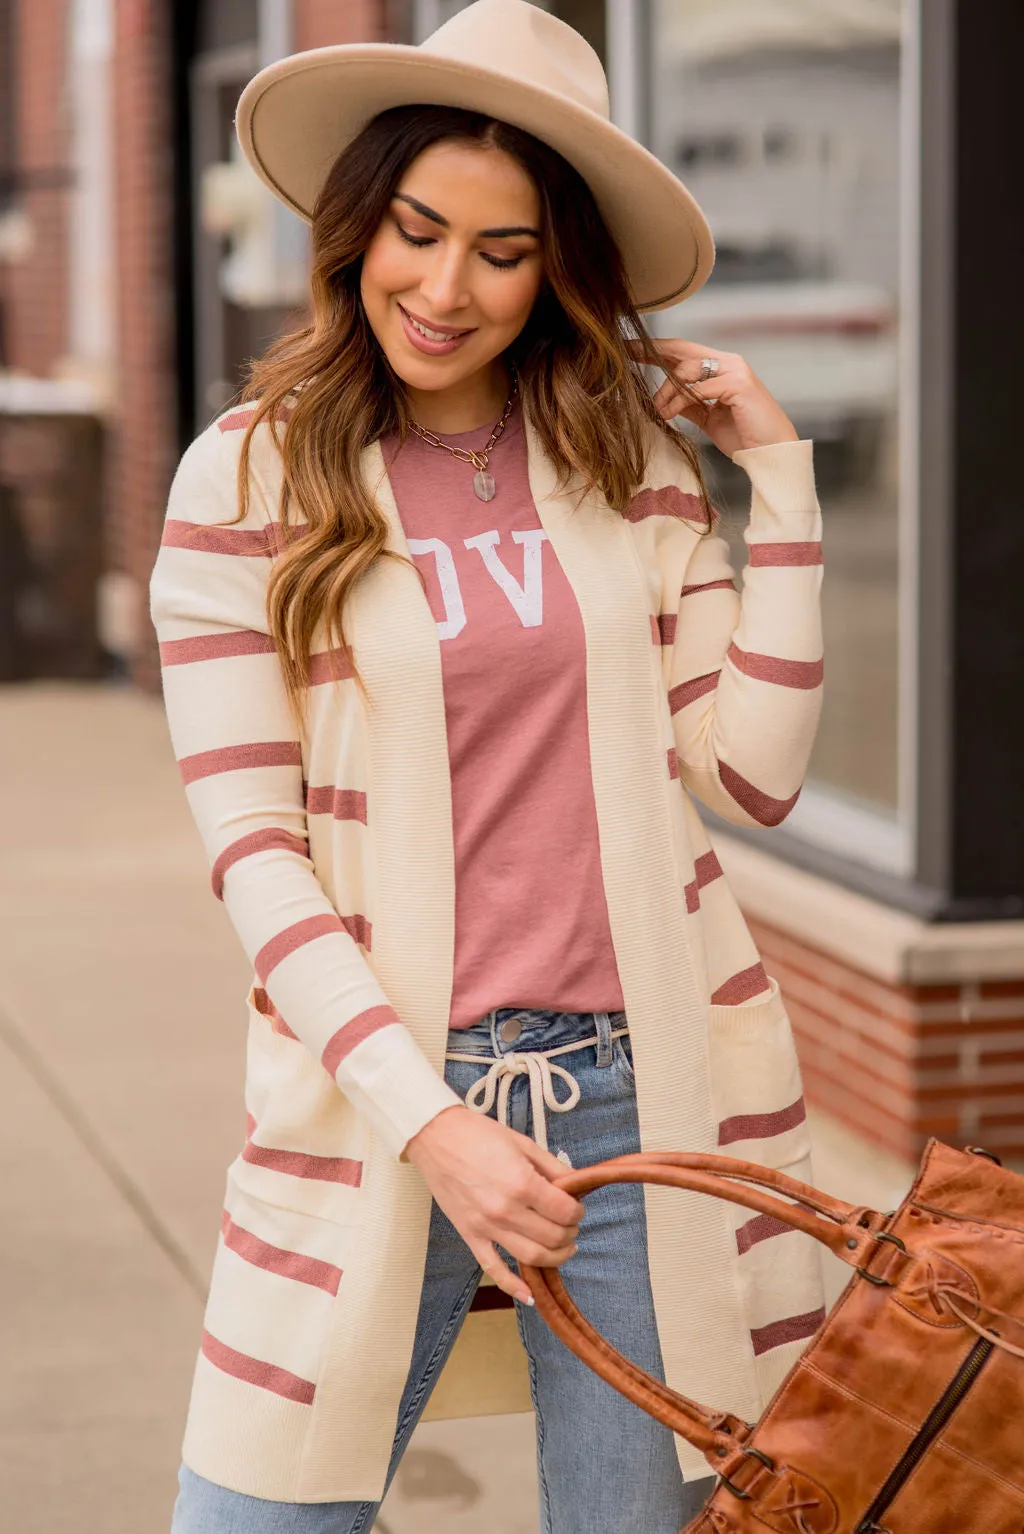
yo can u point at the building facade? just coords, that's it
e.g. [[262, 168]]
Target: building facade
[[858, 165]]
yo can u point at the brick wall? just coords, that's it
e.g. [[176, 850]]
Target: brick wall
[[145, 436], [35, 291], [902, 1062]]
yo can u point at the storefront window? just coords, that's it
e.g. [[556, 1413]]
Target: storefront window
[[783, 120]]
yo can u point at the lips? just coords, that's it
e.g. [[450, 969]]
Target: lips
[[434, 340]]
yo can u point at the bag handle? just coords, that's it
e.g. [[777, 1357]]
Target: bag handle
[[849, 1231]]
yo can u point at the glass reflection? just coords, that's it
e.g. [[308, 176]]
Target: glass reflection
[[783, 119]]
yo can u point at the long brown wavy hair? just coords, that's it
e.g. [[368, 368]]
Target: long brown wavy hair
[[329, 380]]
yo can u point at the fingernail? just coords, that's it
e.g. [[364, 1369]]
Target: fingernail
[[529, 1300]]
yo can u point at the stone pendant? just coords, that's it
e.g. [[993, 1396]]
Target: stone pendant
[[483, 484]]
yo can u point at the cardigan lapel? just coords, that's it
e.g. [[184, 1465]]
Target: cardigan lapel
[[411, 853], [626, 702]]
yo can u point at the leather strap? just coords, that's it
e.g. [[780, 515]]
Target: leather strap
[[848, 1231]]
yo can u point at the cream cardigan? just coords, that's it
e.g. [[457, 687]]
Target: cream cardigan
[[332, 848]]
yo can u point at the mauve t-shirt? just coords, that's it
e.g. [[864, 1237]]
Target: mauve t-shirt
[[531, 918]]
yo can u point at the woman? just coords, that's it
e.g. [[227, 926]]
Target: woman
[[406, 602]]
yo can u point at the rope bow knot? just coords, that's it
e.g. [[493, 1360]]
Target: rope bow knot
[[541, 1071], [537, 1065]]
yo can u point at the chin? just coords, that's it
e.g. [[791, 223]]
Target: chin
[[421, 372]]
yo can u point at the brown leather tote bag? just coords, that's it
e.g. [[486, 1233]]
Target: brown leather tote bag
[[905, 1414]]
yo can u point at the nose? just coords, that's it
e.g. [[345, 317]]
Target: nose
[[444, 283]]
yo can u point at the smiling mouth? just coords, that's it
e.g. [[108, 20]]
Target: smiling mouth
[[431, 333]]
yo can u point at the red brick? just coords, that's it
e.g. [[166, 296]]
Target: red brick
[[35, 291], [1014, 988]]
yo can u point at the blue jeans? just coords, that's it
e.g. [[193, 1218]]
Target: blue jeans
[[603, 1464]]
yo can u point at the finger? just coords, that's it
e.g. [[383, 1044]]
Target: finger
[[487, 1256], [530, 1226], [547, 1199], [678, 348], [536, 1255]]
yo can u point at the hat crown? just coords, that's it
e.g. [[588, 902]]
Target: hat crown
[[527, 43]]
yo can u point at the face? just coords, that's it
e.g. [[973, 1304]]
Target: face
[[451, 275]]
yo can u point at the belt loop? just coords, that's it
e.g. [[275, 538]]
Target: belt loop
[[602, 1023], [492, 1018]]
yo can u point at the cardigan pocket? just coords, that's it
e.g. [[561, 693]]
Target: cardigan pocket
[[305, 1143], [275, 1281], [756, 1090]]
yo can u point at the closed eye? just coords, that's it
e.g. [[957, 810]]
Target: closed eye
[[503, 263], [413, 239]]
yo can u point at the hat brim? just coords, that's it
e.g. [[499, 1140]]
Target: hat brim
[[296, 116]]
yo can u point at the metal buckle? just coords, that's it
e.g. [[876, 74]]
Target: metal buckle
[[873, 1278], [762, 1458]]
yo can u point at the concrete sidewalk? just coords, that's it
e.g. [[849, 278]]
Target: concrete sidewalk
[[121, 1055]]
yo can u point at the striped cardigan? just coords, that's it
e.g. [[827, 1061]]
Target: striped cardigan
[[331, 846]]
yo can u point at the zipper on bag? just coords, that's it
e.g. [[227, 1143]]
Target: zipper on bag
[[930, 1429]]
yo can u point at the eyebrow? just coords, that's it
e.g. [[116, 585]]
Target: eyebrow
[[487, 234]]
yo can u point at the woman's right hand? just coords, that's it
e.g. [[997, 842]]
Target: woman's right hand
[[496, 1186]]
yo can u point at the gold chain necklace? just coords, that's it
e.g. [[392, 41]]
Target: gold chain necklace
[[483, 480]]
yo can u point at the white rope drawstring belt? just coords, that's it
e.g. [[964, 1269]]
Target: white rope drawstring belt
[[536, 1064]]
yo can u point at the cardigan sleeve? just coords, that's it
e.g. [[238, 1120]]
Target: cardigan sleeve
[[745, 681], [239, 752]]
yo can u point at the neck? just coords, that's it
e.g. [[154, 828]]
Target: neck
[[472, 402]]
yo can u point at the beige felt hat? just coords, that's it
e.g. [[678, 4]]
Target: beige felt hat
[[511, 61]]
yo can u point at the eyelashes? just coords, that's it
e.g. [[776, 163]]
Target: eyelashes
[[503, 263]]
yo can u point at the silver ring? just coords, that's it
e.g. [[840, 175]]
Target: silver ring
[[708, 368]]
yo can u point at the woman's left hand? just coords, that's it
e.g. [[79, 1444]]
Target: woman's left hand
[[734, 408]]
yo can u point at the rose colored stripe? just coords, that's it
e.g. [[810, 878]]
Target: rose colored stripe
[[329, 666], [792, 1329], [785, 554], [256, 753], [673, 763], [255, 1372], [262, 1003], [669, 501], [238, 420], [740, 987], [250, 542], [761, 1228], [275, 1259], [761, 1126], [707, 868], [359, 930], [293, 938], [297, 1164], [181, 652], [667, 628], [256, 841], [804, 674], [354, 1032], [759, 805], [342, 803], [688, 692], [688, 591], [655, 631]]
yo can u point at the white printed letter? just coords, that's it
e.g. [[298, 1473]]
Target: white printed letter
[[527, 599], [448, 580]]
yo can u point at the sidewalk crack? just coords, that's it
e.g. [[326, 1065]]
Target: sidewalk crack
[[90, 1140]]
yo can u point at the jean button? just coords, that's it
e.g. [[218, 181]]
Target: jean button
[[510, 1030]]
